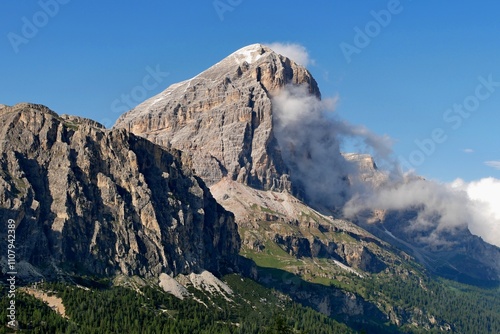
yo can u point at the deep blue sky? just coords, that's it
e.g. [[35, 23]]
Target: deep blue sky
[[426, 59]]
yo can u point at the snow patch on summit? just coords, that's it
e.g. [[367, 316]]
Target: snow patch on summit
[[249, 54]]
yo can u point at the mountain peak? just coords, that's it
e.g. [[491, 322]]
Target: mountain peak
[[250, 47], [223, 117]]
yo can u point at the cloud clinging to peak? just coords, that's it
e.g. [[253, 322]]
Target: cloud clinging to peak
[[294, 51], [310, 135]]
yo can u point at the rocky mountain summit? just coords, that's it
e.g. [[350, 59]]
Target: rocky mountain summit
[[223, 117], [225, 120], [101, 202]]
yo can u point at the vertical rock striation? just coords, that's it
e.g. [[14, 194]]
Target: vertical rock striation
[[102, 202]]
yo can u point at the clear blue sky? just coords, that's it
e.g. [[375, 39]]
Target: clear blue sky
[[83, 55]]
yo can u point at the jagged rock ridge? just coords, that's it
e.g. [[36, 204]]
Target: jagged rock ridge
[[223, 117], [102, 202]]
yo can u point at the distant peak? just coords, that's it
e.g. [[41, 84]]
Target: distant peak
[[25, 106]]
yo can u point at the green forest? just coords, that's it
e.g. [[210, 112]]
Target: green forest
[[150, 310], [101, 308]]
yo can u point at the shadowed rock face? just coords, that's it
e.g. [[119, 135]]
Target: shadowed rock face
[[105, 202], [223, 117]]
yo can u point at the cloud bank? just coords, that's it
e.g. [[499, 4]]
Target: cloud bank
[[310, 136], [296, 52], [484, 196], [439, 207]]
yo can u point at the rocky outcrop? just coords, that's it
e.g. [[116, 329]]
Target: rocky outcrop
[[345, 306], [354, 255], [360, 257], [89, 200], [223, 117], [367, 170], [268, 217]]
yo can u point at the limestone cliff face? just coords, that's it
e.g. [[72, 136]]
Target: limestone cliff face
[[102, 202], [223, 117]]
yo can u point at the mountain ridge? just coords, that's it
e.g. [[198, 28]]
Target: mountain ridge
[[90, 200]]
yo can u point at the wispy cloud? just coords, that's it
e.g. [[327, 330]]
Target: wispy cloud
[[310, 136], [493, 163], [468, 150], [294, 51]]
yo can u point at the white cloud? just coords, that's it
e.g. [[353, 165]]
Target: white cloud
[[484, 198], [309, 144], [433, 199], [440, 206], [494, 164], [310, 135], [294, 51], [468, 150]]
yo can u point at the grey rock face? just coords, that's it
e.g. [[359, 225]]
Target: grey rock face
[[102, 202], [355, 256], [223, 117]]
